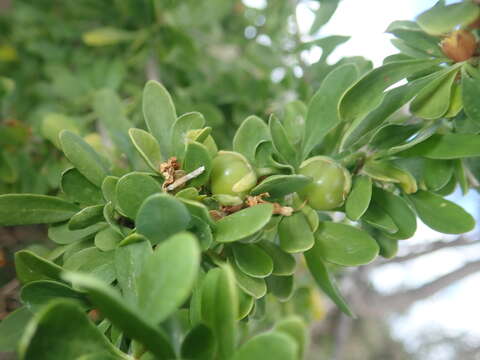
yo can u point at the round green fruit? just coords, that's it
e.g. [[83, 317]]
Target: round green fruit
[[331, 183], [231, 174]]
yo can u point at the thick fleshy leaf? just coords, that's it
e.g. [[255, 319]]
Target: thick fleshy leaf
[[281, 142], [322, 115], [320, 272], [447, 146], [107, 239], [93, 262], [62, 235], [359, 198], [38, 293], [86, 217], [249, 135], [388, 247], [198, 344], [196, 156], [181, 127], [252, 260], [273, 345], [160, 114], [12, 328], [111, 114], [85, 159], [280, 286], [295, 327], [283, 262], [109, 186], [53, 124], [443, 18], [470, 95], [161, 291], [132, 190], [31, 267], [281, 185], [147, 146], [160, 217], [62, 330], [379, 219], [199, 210], [252, 286], [345, 245], [398, 209], [79, 189], [243, 223], [130, 258], [383, 170], [440, 214], [26, 209], [437, 173], [220, 308], [433, 101], [295, 233], [368, 92], [126, 318]]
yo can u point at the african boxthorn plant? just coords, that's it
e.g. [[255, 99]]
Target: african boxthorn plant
[[182, 256]]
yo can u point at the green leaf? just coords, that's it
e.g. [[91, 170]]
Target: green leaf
[[196, 156], [38, 293], [107, 35], [132, 190], [283, 262], [447, 146], [295, 233], [470, 95], [220, 308], [147, 146], [123, 316], [26, 209], [109, 187], [440, 214], [249, 135], [281, 142], [379, 219], [437, 173], [31, 267], [12, 328], [294, 115], [252, 260], [107, 239], [280, 286], [433, 101], [161, 291], [392, 101], [252, 286], [86, 217], [79, 189], [359, 197], [280, 185], [199, 210], [323, 278], [323, 14], [345, 245], [198, 344], [93, 262], [368, 92], [443, 18], [398, 209], [53, 124], [62, 330], [161, 211], [83, 157], [272, 345], [296, 328], [243, 223], [62, 235], [111, 113], [160, 114], [388, 247], [130, 260], [181, 127], [322, 115], [383, 170]]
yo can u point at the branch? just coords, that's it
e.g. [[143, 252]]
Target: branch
[[438, 245]]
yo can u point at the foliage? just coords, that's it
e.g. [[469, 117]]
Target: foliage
[[180, 250]]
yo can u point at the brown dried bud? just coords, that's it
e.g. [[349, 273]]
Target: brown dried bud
[[459, 45]]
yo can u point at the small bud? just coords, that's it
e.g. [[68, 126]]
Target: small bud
[[459, 45]]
